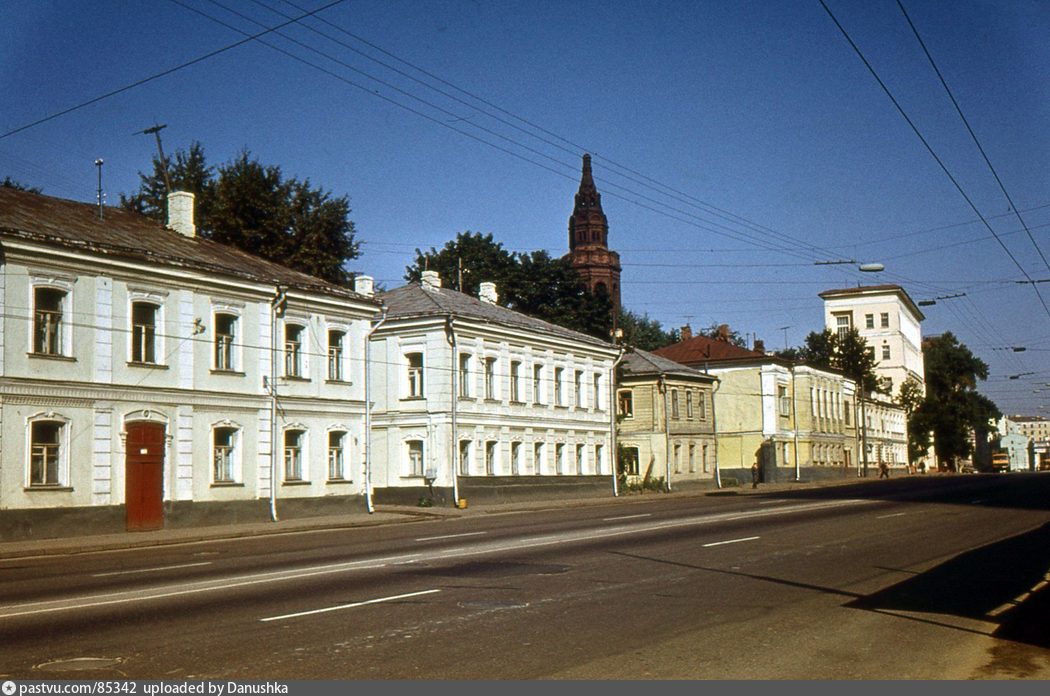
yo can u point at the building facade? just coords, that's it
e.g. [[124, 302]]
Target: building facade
[[597, 266], [476, 400], [665, 421], [147, 373]]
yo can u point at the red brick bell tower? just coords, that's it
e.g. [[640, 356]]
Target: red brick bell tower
[[589, 241]]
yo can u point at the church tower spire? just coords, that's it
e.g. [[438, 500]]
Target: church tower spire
[[598, 268]]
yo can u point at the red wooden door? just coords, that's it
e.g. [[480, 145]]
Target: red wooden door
[[144, 476]]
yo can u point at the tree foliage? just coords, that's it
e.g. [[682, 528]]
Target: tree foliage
[[734, 336], [10, 183], [254, 207], [531, 283], [639, 331], [910, 397], [952, 408], [848, 353]]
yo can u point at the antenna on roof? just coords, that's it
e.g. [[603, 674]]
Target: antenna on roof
[[155, 130], [101, 196]]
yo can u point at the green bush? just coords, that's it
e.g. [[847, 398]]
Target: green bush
[[729, 482]]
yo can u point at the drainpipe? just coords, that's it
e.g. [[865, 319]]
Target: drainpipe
[[863, 439], [662, 387], [794, 423], [369, 505], [714, 426], [277, 306], [450, 333], [614, 456]]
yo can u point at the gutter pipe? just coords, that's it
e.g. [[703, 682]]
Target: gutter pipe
[[369, 504]]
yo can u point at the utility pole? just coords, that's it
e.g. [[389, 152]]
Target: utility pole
[[98, 164], [155, 131]]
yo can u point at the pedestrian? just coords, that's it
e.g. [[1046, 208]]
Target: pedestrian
[[754, 475], [884, 470]]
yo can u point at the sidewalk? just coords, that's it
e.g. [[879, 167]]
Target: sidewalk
[[384, 515]]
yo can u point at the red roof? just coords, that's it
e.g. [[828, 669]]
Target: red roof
[[701, 349]]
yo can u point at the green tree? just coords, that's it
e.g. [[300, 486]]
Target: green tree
[[253, 207], [534, 284], [734, 336], [952, 408], [848, 353], [10, 183], [910, 397], [639, 331]]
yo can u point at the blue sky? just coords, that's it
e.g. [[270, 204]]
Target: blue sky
[[734, 143]]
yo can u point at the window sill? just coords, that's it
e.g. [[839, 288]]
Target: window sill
[[338, 482], [148, 365], [230, 373], [51, 356], [295, 483], [516, 402], [227, 484], [413, 398], [50, 489], [490, 400], [461, 397], [295, 378], [561, 406], [341, 382]]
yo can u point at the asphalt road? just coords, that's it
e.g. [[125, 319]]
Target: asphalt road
[[918, 578]]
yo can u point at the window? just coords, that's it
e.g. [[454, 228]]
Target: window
[[689, 404], [537, 383], [885, 320], [415, 375], [843, 323], [599, 455], [846, 413], [559, 387], [677, 458], [47, 321], [225, 333], [223, 451], [559, 457], [885, 351], [537, 457], [335, 355], [143, 332], [515, 380], [464, 457], [336, 445], [45, 442], [580, 456], [625, 403], [784, 399], [701, 405], [597, 389], [293, 350], [490, 457], [577, 389], [490, 378], [629, 461], [415, 457], [293, 455], [869, 321], [674, 404], [464, 375], [515, 458], [692, 458]]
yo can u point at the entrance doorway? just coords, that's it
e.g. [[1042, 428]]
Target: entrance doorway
[[144, 476]]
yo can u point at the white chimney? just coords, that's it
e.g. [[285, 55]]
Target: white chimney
[[363, 285], [487, 293], [180, 213], [431, 279]]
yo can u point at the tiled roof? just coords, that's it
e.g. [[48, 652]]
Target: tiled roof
[[127, 235], [641, 362], [701, 349], [413, 300]]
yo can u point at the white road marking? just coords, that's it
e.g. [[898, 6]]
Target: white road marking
[[235, 581], [150, 570], [773, 502], [627, 517], [451, 536], [730, 541], [348, 606], [896, 514]]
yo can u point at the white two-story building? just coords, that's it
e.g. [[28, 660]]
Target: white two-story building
[[149, 376], [476, 400]]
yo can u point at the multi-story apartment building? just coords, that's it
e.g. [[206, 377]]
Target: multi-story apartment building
[[665, 420], [476, 400], [147, 374]]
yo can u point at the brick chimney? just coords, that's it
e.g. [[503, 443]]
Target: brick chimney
[[487, 293], [431, 279], [760, 345], [364, 285], [687, 332], [723, 333], [180, 213]]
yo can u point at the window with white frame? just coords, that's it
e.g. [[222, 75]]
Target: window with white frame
[[689, 404], [885, 351], [48, 321], [625, 403], [869, 321], [692, 458], [515, 458], [597, 390], [224, 453], [464, 457], [559, 457], [294, 336], [144, 332], [599, 458], [414, 363], [559, 386], [784, 399], [538, 452], [843, 323], [515, 381], [577, 389], [537, 383], [491, 450], [336, 455], [464, 375], [580, 459], [414, 457], [846, 413], [490, 378], [225, 336], [674, 403], [294, 443], [701, 405], [885, 320], [677, 457], [336, 339], [629, 461], [46, 454]]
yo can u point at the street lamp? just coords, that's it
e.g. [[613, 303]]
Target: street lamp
[[865, 267]]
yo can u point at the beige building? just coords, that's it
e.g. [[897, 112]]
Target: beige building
[[665, 421]]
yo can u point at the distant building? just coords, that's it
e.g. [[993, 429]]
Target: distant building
[[665, 420], [148, 375], [476, 400], [597, 266]]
